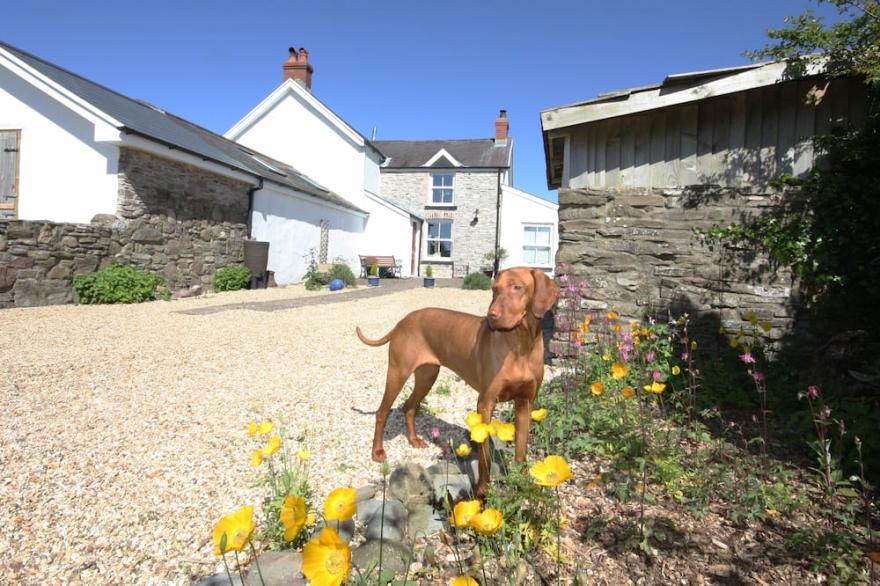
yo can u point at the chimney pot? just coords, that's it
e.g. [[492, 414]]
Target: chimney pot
[[297, 68]]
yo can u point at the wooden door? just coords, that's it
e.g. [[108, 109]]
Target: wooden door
[[9, 144]]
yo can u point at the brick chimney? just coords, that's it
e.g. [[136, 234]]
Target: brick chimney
[[297, 68], [502, 125]]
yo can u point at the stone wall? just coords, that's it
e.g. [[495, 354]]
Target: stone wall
[[638, 251], [173, 219], [472, 191]]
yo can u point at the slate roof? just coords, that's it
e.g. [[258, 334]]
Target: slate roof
[[152, 122], [478, 153]]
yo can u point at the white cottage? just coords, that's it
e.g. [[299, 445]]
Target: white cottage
[[294, 126]]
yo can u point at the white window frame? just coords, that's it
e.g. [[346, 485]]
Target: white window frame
[[428, 239], [450, 187], [548, 247]]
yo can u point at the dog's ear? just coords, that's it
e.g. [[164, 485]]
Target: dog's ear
[[546, 293]]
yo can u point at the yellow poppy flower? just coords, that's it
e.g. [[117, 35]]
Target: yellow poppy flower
[[616, 327], [506, 432], [252, 429], [463, 512], [293, 516], [606, 356], [619, 370], [551, 471], [655, 387], [612, 315], [693, 345], [311, 518], [722, 330], [676, 370], [634, 325], [479, 432], [637, 341], [326, 559], [766, 326], [256, 458], [272, 446], [539, 414], [304, 455], [464, 581], [493, 427], [463, 451], [628, 392], [751, 317], [266, 427], [594, 483], [597, 388], [583, 327], [340, 504], [734, 342], [237, 527], [472, 419], [487, 522]]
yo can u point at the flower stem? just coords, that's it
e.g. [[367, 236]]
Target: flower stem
[[558, 538], [257, 562], [225, 565], [238, 563]]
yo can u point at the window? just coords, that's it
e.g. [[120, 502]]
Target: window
[[441, 188], [440, 238], [536, 246]]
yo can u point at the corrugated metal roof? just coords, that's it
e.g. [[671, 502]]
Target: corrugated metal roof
[[478, 152], [153, 122]]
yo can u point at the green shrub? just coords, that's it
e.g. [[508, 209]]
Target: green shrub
[[477, 281], [429, 271], [374, 271], [315, 280], [232, 278], [342, 271], [118, 284]]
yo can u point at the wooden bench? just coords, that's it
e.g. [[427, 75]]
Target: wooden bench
[[387, 263]]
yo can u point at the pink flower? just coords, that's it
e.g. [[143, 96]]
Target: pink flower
[[583, 285], [684, 356], [563, 279], [650, 356], [435, 432], [813, 392], [747, 358], [656, 375], [757, 376]]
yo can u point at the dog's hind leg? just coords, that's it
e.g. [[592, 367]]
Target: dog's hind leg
[[426, 374], [394, 381]]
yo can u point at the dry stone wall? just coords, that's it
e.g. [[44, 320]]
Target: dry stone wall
[[172, 219], [638, 250]]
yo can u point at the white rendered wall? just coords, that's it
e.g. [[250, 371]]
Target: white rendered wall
[[64, 174], [389, 233], [295, 133], [292, 227], [520, 209]]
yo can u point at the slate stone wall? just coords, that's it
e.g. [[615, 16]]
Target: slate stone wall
[[172, 218], [638, 251]]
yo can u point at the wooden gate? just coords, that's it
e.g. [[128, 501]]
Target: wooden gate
[[9, 144]]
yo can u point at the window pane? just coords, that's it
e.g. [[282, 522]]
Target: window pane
[[447, 196], [432, 229], [542, 236], [444, 230], [542, 257], [438, 180], [445, 248], [529, 256], [447, 180], [529, 235]]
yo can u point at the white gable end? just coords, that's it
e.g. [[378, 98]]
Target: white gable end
[[438, 156]]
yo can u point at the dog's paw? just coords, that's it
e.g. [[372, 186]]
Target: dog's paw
[[418, 442], [379, 455]]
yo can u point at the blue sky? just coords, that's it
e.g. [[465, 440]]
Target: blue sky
[[413, 70]]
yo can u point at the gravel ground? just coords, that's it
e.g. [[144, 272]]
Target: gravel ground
[[123, 428]]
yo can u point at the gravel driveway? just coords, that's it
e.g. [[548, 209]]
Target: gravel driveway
[[123, 428]]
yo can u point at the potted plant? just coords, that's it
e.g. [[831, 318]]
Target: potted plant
[[429, 276], [373, 278]]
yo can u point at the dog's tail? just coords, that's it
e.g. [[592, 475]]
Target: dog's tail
[[380, 342]]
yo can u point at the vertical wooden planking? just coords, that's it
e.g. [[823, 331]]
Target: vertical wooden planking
[[858, 102], [642, 175], [673, 147], [718, 172], [612, 154], [751, 160], [769, 133], [804, 126], [734, 162], [688, 171], [9, 147], [823, 93], [591, 154], [705, 114], [657, 175], [579, 171], [627, 150], [840, 102], [601, 139], [785, 149]]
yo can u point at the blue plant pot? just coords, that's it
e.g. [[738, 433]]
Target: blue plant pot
[[429, 282], [373, 281], [337, 284]]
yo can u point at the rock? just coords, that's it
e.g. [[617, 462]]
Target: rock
[[411, 484], [370, 513], [388, 531], [279, 568], [344, 528], [365, 493], [459, 466], [474, 470], [424, 520], [60, 271], [457, 485], [106, 220], [36, 292], [193, 291], [395, 556], [148, 235], [220, 579]]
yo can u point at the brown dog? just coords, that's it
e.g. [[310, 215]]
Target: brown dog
[[500, 355]]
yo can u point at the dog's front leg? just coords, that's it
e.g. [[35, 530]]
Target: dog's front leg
[[485, 407], [523, 420]]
